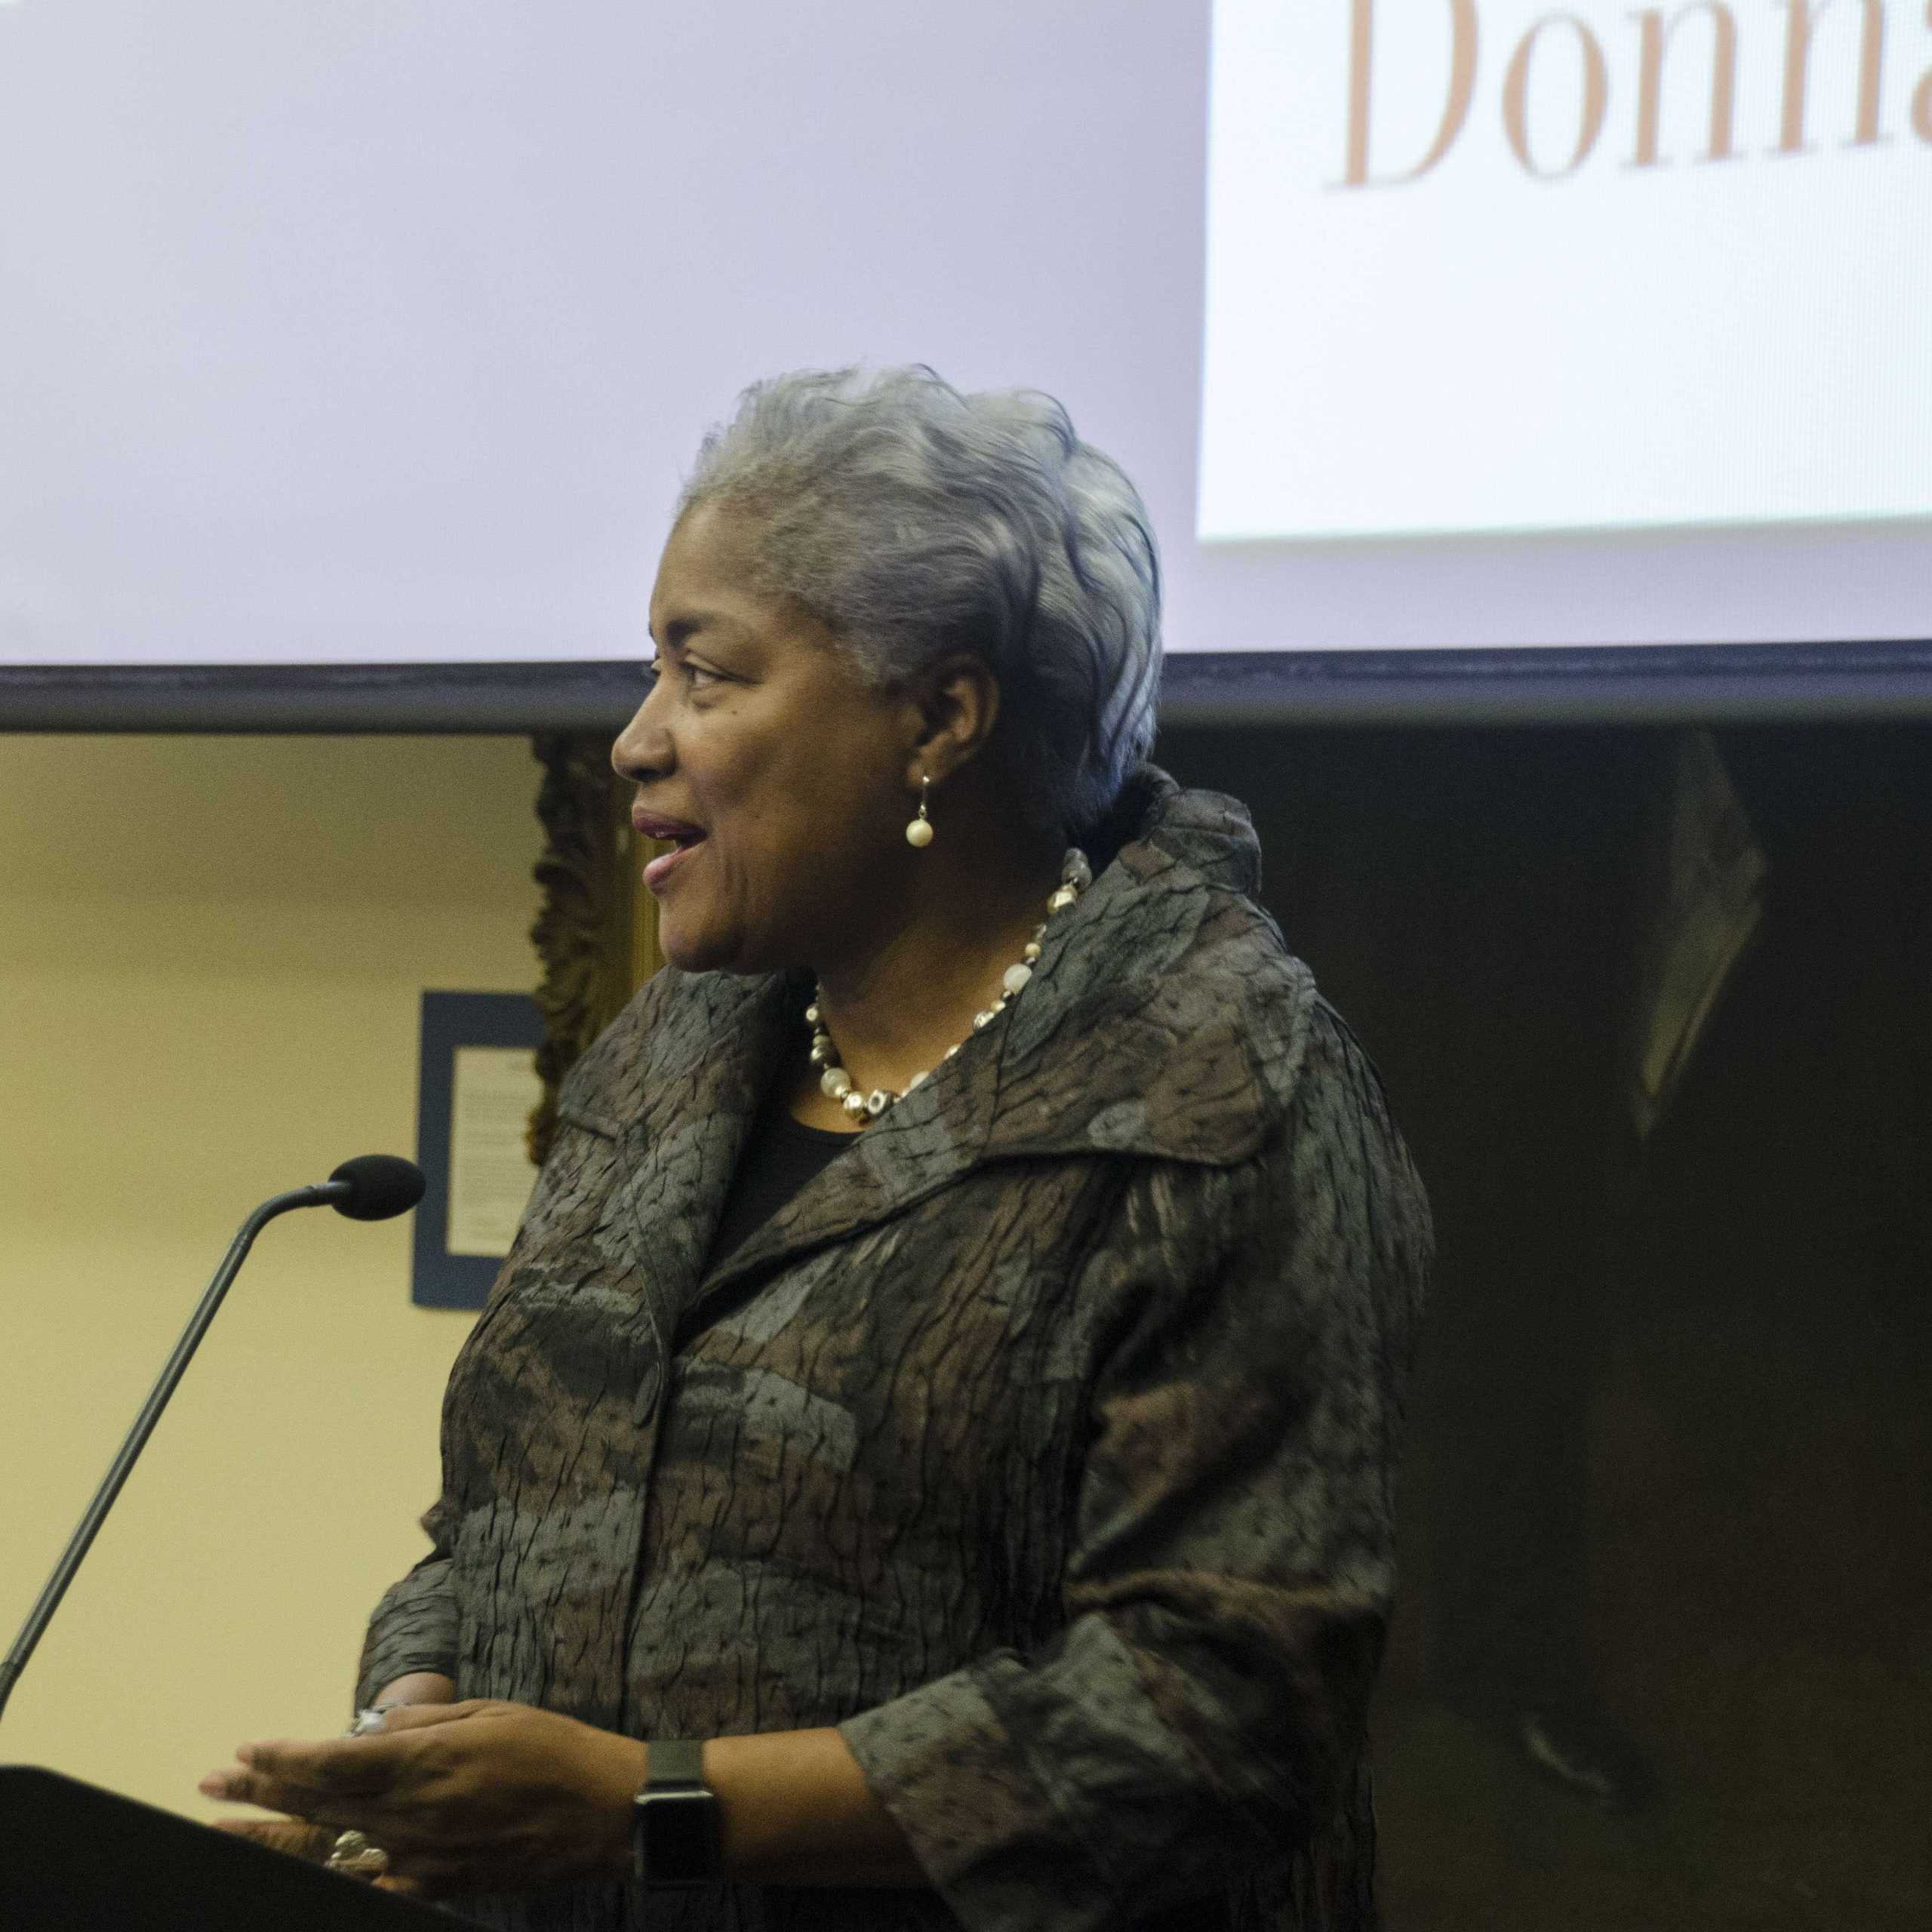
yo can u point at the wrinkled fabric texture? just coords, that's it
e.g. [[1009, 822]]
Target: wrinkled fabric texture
[[1044, 1442]]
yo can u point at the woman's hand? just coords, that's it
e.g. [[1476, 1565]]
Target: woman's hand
[[314, 1843], [464, 1798]]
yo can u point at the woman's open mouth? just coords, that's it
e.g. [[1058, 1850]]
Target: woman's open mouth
[[682, 837], [661, 868]]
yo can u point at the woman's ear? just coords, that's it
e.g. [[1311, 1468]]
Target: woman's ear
[[954, 706]]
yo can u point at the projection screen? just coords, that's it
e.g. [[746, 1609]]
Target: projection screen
[[1447, 334]]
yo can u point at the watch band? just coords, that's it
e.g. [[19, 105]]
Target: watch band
[[674, 1833]]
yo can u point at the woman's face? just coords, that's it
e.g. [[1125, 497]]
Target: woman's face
[[781, 776]]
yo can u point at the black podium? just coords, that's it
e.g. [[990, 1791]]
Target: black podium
[[76, 1858]]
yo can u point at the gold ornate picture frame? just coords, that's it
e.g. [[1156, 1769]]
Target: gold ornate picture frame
[[596, 931]]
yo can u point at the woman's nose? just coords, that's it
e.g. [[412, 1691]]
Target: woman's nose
[[643, 747]]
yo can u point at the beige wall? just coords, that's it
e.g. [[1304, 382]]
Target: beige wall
[[211, 954]]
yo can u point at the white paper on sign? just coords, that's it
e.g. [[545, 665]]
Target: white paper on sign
[[494, 1090]]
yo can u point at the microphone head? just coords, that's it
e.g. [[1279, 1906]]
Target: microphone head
[[379, 1186]]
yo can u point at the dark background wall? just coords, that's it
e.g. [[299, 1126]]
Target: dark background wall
[[1670, 1451]]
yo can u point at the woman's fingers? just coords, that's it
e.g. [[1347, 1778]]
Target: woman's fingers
[[331, 1768], [292, 1800], [230, 1785], [489, 1797], [370, 1766], [292, 1838], [313, 1844], [316, 1782], [323, 1786], [410, 1888]]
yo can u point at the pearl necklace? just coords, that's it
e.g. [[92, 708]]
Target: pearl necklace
[[1075, 875]]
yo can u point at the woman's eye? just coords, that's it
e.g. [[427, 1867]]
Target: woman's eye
[[696, 677]]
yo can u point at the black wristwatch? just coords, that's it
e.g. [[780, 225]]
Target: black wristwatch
[[674, 1827]]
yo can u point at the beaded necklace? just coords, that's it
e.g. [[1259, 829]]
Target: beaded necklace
[[1075, 875]]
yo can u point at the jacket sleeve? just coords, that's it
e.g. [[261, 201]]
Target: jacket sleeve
[[414, 1625], [1201, 1716]]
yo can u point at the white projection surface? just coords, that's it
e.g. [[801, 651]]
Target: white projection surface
[[1512, 269], [382, 330]]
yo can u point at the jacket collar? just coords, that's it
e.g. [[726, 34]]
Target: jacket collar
[[1109, 1052]]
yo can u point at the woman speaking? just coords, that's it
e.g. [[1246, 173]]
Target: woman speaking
[[926, 1459]]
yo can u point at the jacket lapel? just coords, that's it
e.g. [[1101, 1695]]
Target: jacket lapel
[[706, 1065], [1108, 1052], [937, 1133]]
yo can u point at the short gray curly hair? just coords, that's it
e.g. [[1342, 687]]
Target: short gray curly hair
[[913, 520]]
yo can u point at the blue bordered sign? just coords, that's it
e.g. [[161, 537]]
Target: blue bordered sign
[[465, 1142]]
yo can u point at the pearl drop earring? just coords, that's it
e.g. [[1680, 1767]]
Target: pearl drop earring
[[920, 831]]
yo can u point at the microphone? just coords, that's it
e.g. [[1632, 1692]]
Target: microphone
[[372, 1187]]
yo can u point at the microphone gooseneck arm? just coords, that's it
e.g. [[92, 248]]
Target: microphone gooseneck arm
[[324, 1193]]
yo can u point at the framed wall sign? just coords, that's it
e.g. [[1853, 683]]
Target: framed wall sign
[[478, 1089]]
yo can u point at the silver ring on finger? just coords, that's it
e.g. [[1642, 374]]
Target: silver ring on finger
[[355, 1856]]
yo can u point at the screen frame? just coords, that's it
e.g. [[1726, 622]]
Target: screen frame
[[1621, 684]]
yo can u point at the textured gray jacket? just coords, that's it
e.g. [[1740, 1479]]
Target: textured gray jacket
[[1044, 1442]]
